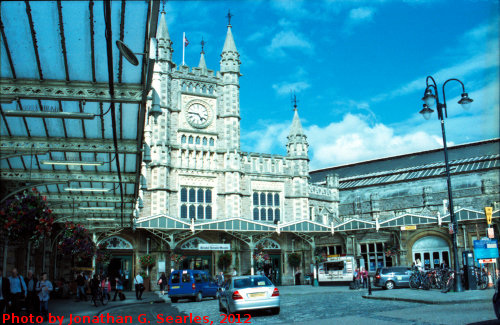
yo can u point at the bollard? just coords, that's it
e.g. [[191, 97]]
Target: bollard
[[369, 286]]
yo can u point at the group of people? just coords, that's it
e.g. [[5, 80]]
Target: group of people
[[361, 277], [103, 284], [17, 292]]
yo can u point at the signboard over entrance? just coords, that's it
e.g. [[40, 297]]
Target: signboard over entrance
[[214, 247], [485, 248]]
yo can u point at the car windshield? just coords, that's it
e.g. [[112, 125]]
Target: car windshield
[[252, 282], [175, 278]]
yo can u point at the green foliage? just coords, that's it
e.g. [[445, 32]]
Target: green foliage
[[294, 260]]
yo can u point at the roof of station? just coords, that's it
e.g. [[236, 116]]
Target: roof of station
[[67, 128]]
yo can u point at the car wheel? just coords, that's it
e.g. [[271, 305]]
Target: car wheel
[[198, 297], [389, 285], [174, 300], [275, 311]]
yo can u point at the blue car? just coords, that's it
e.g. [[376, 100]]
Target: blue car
[[191, 284]]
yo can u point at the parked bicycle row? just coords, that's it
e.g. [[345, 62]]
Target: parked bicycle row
[[444, 278]]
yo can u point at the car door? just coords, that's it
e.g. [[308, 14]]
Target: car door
[[207, 290]]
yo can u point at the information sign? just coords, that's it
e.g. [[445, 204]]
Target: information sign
[[485, 248], [214, 247]]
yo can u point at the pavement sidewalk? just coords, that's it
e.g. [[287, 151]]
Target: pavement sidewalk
[[432, 296], [65, 307]]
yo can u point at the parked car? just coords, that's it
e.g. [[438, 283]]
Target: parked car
[[191, 284], [496, 299], [392, 277], [249, 292]]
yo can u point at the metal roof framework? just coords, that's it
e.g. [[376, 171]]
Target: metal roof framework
[[67, 96], [174, 231]]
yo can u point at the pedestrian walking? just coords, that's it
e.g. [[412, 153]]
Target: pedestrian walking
[[139, 286], [235, 273], [220, 279], [18, 292], [80, 287], [44, 287], [106, 287], [32, 301], [357, 278], [418, 264], [4, 293], [364, 277], [162, 282], [118, 288]]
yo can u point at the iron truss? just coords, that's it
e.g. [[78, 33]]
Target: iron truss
[[107, 198], [69, 90], [37, 145], [64, 176]]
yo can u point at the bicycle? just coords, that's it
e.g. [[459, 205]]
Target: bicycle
[[448, 281], [418, 279], [481, 278]]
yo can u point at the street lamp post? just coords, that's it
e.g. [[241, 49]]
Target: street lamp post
[[431, 98]]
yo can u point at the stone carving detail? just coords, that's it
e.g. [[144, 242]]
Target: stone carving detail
[[267, 186], [193, 243], [116, 242]]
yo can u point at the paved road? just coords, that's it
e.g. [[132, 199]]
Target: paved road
[[348, 307]]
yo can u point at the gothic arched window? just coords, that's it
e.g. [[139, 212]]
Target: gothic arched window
[[255, 198], [198, 141], [184, 211], [263, 214], [200, 195], [183, 139], [269, 199], [208, 196], [192, 195], [269, 214], [262, 198], [208, 212], [192, 212], [256, 214], [200, 211], [190, 141], [276, 199], [184, 194], [205, 141], [277, 214], [212, 142]]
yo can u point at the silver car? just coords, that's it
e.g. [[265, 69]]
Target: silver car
[[249, 292]]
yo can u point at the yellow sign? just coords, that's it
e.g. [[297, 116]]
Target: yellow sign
[[488, 211], [408, 227]]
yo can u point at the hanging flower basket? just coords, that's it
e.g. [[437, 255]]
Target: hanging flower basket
[[76, 242], [25, 217], [147, 261], [294, 260], [103, 255], [393, 251], [319, 255]]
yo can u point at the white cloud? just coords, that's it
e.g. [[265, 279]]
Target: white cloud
[[360, 14], [288, 40], [284, 88]]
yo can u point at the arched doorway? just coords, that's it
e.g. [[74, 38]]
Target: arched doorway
[[271, 267], [196, 259], [431, 250], [121, 259]]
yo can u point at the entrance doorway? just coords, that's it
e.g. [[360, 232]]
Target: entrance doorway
[[432, 251], [120, 266], [202, 262]]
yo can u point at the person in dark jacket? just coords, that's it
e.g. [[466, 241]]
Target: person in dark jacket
[[18, 291], [162, 281], [32, 300], [4, 293]]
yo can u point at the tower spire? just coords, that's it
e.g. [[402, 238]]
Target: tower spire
[[229, 17], [202, 63]]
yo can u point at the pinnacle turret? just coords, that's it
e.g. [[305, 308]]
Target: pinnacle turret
[[202, 64], [297, 140], [162, 33]]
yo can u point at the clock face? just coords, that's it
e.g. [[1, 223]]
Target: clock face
[[198, 115]]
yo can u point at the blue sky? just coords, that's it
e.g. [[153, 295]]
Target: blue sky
[[358, 68]]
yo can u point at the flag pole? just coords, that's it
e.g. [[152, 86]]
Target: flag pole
[[183, 46]]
